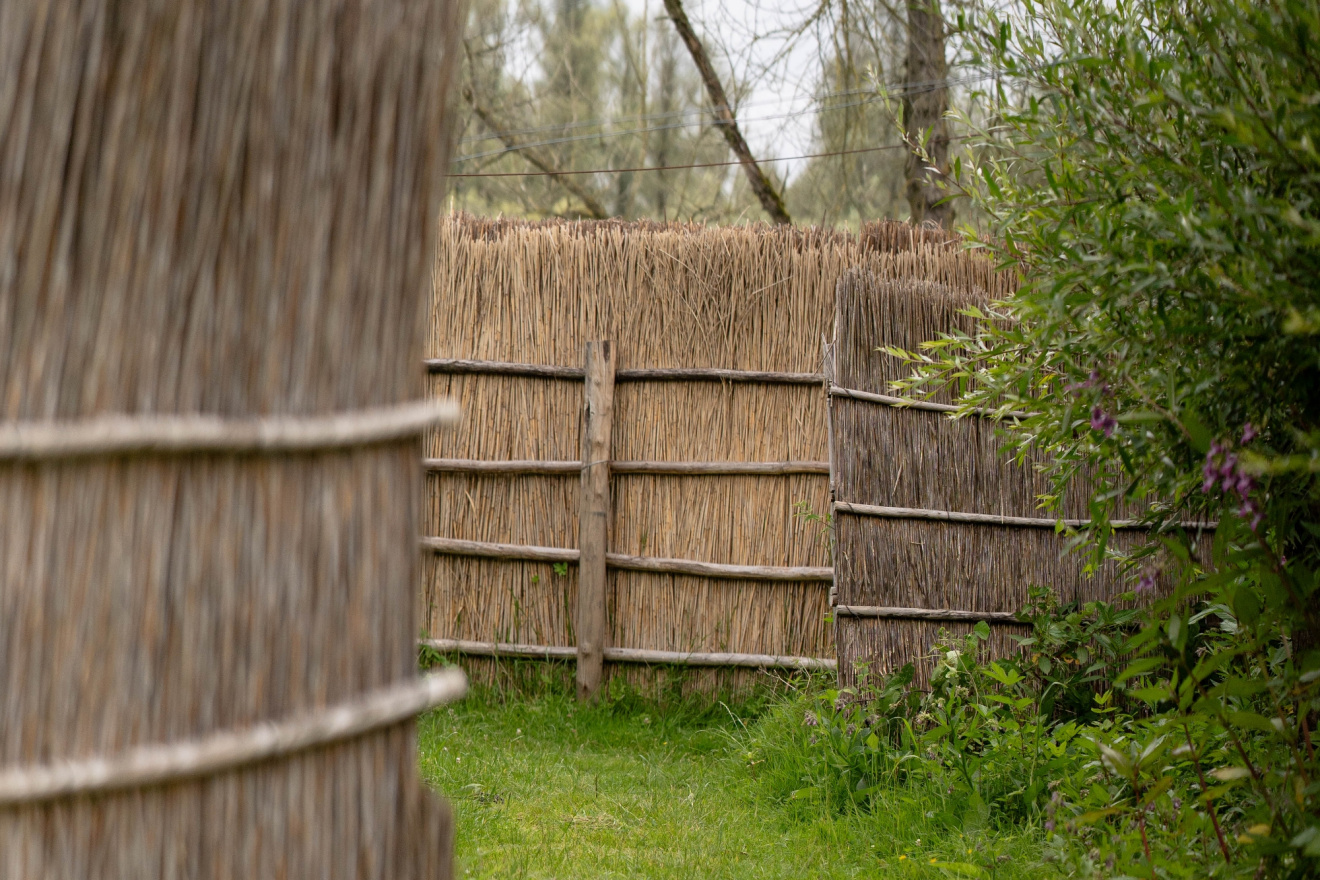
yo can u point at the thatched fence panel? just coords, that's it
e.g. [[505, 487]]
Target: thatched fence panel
[[929, 515], [215, 227], [670, 298]]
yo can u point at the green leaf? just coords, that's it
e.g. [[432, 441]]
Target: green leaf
[[1230, 774], [982, 630], [1197, 432], [1177, 630], [1160, 787], [1115, 761], [1154, 694], [1093, 816], [1139, 667], [1251, 721]]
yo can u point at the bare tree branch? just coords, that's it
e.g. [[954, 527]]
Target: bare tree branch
[[542, 163], [770, 198]]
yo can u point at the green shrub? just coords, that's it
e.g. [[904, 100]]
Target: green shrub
[[1155, 181]]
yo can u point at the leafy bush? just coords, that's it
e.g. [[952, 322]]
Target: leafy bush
[[1156, 185], [991, 741]]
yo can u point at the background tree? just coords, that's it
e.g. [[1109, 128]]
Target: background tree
[[925, 104], [571, 85]]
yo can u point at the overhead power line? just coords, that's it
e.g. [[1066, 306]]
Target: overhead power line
[[679, 167], [650, 117], [897, 90], [603, 135]]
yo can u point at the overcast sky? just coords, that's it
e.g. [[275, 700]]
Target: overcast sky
[[739, 32]]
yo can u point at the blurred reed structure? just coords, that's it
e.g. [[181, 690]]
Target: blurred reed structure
[[215, 236]]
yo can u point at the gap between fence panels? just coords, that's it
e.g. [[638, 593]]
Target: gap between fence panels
[[630, 655], [663, 565], [671, 468]]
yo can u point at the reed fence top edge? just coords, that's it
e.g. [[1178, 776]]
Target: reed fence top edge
[[877, 235]]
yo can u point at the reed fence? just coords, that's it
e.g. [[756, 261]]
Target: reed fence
[[744, 389], [935, 529], [717, 433], [215, 224]]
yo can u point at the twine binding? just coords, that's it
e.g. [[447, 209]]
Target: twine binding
[[230, 750], [128, 435]]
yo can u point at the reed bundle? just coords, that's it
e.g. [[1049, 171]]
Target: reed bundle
[[217, 210]]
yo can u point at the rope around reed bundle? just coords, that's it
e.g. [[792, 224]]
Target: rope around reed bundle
[[229, 750], [130, 435]]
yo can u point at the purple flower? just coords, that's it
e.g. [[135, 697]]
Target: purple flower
[[1249, 433], [1103, 422], [1244, 485], [1146, 584], [1251, 510], [1093, 381], [1049, 824]]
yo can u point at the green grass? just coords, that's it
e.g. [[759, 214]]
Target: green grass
[[544, 788]]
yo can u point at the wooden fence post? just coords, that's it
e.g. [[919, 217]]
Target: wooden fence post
[[593, 518]]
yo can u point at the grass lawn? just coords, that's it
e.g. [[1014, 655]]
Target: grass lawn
[[544, 788]]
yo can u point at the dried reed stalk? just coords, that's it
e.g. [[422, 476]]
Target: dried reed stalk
[[223, 210]]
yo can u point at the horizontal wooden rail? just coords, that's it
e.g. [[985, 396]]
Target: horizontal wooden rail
[[909, 403], [950, 516], [632, 655], [500, 649], [645, 374], [889, 612], [519, 466], [720, 570], [991, 518], [503, 368], [488, 550], [710, 374], [225, 751], [676, 468], [459, 547]]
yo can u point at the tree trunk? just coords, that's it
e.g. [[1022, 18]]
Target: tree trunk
[[765, 191], [925, 102]]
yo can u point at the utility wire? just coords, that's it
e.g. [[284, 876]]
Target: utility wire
[[673, 125], [679, 167], [897, 90], [650, 117]]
